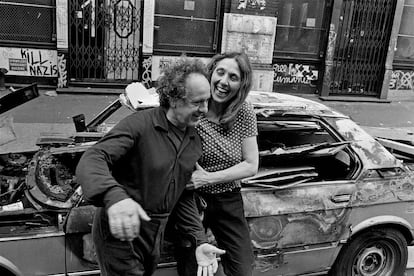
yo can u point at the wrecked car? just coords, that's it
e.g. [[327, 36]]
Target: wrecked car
[[328, 198]]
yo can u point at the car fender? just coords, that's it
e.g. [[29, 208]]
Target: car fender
[[6, 264], [384, 220]]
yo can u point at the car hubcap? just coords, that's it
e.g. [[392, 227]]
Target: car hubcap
[[371, 261]]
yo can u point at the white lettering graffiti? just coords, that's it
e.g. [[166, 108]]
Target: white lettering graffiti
[[293, 73], [164, 63], [280, 68], [253, 4], [38, 66], [62, 74], [402, 80]]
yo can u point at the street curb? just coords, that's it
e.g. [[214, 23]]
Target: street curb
[[90, 90], [359, 99]]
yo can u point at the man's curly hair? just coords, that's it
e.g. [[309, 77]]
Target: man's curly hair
[[171, 84]]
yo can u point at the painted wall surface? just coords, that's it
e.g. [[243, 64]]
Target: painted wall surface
[[262, 78], [255, 35], [62, 24], [29, 62], [402, 80], [294, 77], [148, 27], [160, 62]]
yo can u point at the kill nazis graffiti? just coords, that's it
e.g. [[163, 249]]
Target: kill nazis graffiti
[[293, 73], [29, 62], [39, 65]]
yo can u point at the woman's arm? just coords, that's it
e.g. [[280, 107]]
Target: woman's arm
[[248, 167]]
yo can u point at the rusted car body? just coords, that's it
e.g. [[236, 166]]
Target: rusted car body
[[328, 198]]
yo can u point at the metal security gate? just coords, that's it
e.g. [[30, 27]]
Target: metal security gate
[[361, 47], [104, 40]]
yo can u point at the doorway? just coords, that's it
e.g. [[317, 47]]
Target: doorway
[[361, 47], [104, 40]]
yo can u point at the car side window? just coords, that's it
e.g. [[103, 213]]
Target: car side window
[[296, 151]]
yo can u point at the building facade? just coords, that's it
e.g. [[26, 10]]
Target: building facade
[[324, 47]]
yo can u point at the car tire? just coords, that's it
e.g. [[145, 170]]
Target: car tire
[[5, 272], [377, 252]]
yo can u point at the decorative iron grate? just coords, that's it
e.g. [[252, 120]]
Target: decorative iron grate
[[361, 47], [104, 40]]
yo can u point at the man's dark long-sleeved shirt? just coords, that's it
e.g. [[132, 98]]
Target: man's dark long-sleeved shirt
[[138, 159]]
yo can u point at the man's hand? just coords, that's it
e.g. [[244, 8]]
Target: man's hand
[[199, 178], [206, 259], [125, 219]]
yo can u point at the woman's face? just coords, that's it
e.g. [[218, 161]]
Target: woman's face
[[225, 80]]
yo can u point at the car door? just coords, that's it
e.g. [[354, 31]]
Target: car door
[[298, 205], [79, 251]]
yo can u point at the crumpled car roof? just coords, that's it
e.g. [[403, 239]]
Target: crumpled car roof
[[278, 102], [137, 97]]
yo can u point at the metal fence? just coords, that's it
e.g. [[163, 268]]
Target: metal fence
[[361, 48], [104, 40]]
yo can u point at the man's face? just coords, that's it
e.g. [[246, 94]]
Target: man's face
[[188, 111]]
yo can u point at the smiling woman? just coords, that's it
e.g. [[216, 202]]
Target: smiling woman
[[228, 133], [231, 81]]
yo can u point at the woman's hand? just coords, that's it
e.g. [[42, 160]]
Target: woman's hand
[[199, 178]]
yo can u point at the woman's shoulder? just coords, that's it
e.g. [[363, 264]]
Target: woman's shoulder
[[246, 108]]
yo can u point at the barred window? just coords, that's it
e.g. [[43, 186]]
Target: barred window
[[405, 41], [299, 27], [186, 26], [27, 22]]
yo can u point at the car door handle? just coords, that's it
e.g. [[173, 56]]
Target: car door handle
[[341, 198]]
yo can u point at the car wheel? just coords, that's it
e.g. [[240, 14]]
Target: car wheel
[[379, 252], [5, 272]]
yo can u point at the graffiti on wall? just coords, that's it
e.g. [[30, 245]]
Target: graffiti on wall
[[62, 73], [29, 62], [254, 4], [255, 7], [146, 74], [402, 80], [39, 65], [294, 74]]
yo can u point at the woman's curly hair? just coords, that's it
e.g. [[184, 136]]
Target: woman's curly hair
[[171, 83]]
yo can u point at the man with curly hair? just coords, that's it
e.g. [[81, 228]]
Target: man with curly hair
[[137, 173]]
